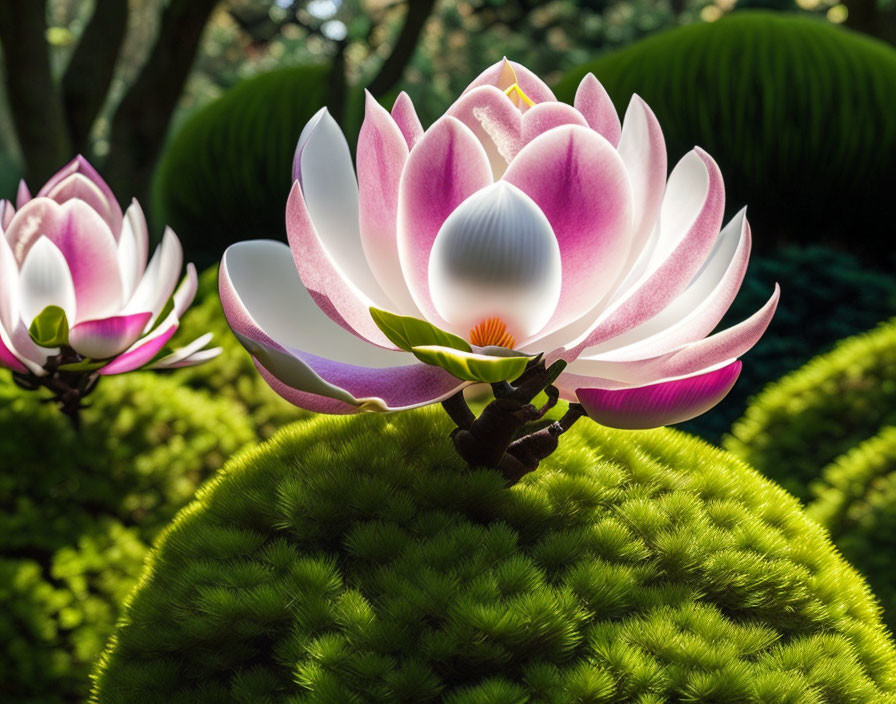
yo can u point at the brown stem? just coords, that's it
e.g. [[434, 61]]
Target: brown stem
[[529, 450], [457, 409]]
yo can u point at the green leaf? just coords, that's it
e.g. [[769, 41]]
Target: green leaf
[[50, 327], [406, 332], [470, 366], [85, 365]]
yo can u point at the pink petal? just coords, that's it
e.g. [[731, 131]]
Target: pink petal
[[505, 73], [143, 351], [445, 167], [577, 179], [306, 133], [78, 179], [6, 212], [331, 290], [18, 340], [596, 107], [546, 116], [496, 122], [23, 195], [405, 117], [104, 338], [7, 358], [691, 228], [659, 404], [382, 153]]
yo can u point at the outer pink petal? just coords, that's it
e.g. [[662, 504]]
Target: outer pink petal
[[546, 116], [7, 210], [336, 296], [104, 338], [659, 404], [496, 122], [7, 358], [502, 75], [382, 153], [61, 187], [577, 179], [445, 167], [303, 399], [405, 117], [596, 107], [144, 351], [670, 276], [23, 195]]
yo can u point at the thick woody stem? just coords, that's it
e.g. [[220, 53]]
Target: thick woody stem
[[68, 388], [529, 450]]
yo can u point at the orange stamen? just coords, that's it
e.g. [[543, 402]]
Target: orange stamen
[[492, 331]]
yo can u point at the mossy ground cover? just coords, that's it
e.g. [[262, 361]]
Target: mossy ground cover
[[357, 560], [231, 375], [856, 501], [78, 511], [797, 426]]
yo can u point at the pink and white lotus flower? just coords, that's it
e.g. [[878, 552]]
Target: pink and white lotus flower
[[76, 292], [515, 226]]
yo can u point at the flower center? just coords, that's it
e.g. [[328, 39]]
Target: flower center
[[492, 331], [518, 97]]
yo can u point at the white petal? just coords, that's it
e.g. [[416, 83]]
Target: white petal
[[496, 256], [133, 248], [182, 353], [331, 195], [17, 339], [45, 280], [186, 291], [159, 278]]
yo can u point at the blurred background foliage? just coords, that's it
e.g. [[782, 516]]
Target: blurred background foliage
[[194, 106]]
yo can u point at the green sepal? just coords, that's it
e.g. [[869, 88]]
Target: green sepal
[[50, 327], [85, 365], [407, 333], [470, 366]]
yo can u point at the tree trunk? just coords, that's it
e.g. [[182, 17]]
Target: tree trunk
[[34, 99], [141, 121], [390, 72], [91, 68]]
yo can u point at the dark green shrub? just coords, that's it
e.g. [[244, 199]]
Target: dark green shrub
[[356, 560], [856, 501], [797, 426], [78, 510], [793, 108], [828, 296], [231, 374], [226, 173]]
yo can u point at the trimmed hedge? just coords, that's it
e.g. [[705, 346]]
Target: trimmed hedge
[[230, 375], [226, 174], [78, 510], [828, 296], [357, 560], [797, 426], [857, 503], [792, 107]]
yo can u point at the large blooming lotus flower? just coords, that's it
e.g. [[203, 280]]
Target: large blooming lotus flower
[[515, 226], [77, 297]]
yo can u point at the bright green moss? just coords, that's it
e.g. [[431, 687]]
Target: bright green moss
[[77, 512], [810, 417], [230, 375], [828, 296], [226, 173], [792, 109], [856, 501], [357, 560]]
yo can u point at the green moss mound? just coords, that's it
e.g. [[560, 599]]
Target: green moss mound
[[358, 560], [78, 510], [793, 109], [797, 426], [230, 375], [828, 296], [226, 173], [856, 501]]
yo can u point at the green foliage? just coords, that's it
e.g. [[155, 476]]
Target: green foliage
[[797, 426], [356, 560], [791, 108], [406, 332], [231, 375], [856, 501], [78, 510], [226, 173], [828, 296]]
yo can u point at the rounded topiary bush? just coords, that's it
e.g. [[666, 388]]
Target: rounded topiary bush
[[226, 174], [829, 296], [856, 502], [78, 510], [792, 108], [797, 426], [231, 374], [358, 560]]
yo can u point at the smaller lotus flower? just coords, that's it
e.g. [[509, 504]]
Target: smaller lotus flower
[[78, 299]]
